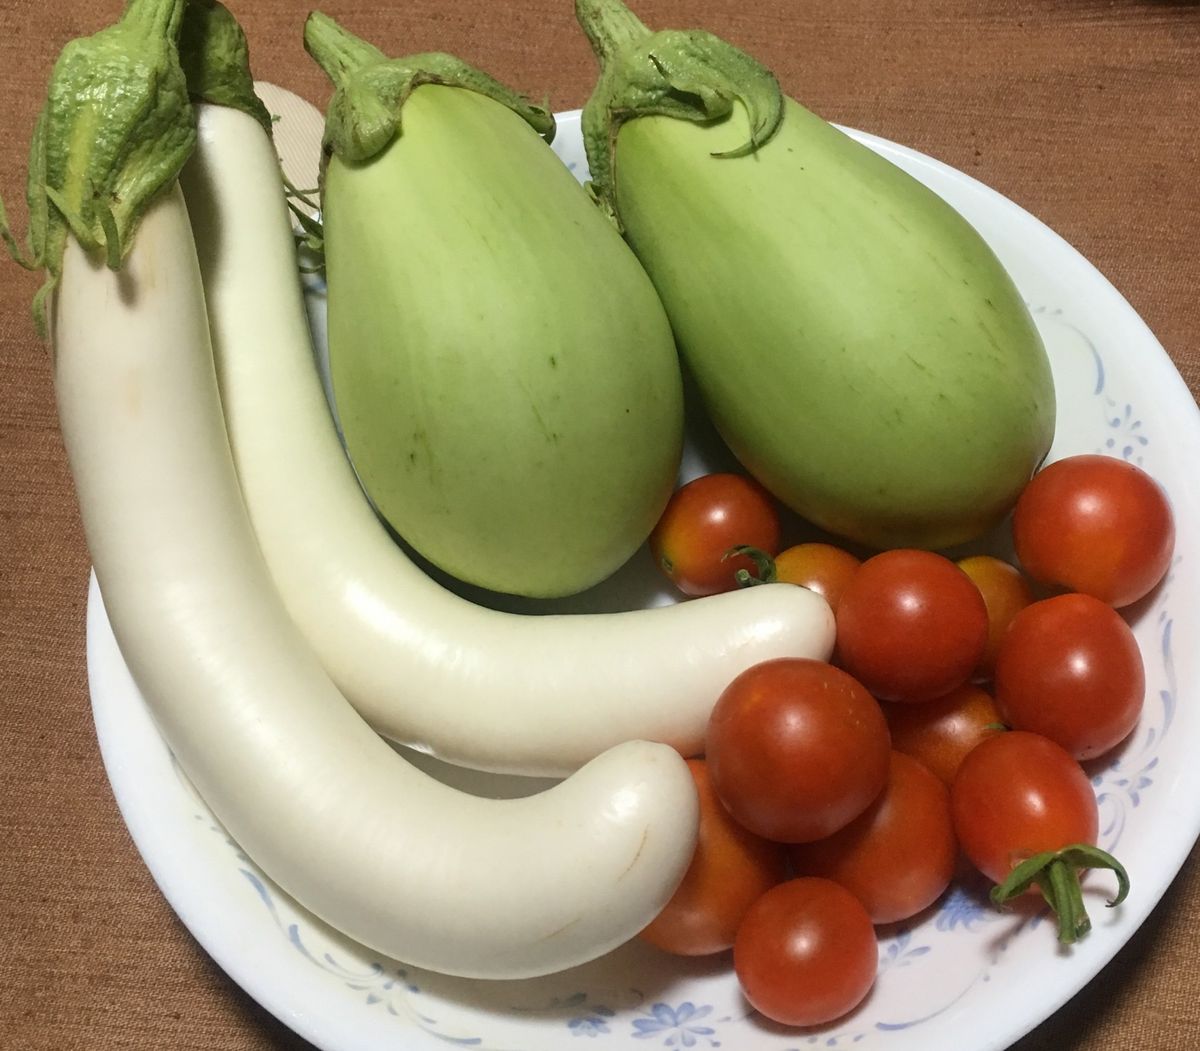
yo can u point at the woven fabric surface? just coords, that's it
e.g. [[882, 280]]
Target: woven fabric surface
[[1085, 112]]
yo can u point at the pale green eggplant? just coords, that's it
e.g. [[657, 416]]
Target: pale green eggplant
[[857, 344], [505, 376]]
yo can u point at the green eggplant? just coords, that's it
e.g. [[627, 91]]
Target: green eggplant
[[504, 374], [855, 341]]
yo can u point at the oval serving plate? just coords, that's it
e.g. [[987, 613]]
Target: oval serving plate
[[960, 977]]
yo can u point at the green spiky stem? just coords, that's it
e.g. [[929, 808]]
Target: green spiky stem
[[686, 74], [113, 134], [216, 61], [370, 90], [1056, 874], [118, 126]]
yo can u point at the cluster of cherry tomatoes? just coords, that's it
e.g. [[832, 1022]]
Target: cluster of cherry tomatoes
[[950, 721]]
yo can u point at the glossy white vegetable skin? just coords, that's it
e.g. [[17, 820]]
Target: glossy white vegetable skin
[[397, 860], [496, 691]]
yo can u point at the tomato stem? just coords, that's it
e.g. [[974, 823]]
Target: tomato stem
[[763, 563], [1056, 874]]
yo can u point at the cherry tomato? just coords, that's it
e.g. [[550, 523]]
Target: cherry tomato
[[702, 521], [911, 625], [1016, 795], [1025, 815], [1070, 668], [822, 568], [796, 749], [898, 856], [1005, 593], [1097, 525], [806, 952], [941, 732], [730, 870]]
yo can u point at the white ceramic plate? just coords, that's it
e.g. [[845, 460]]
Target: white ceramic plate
[[960, 977]]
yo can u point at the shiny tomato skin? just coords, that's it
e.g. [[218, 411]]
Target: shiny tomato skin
[[940, 733], [1097, 525], [1070, 669], [731, 869], [1016, 795], [899, 855], [1005, 593], [702, 521], [822, 568], [806, 953], [796, 749], [911, 625]]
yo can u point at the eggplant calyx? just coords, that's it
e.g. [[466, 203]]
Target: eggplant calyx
[[113, 134], [216, 62], [370, 90], [685, 74]]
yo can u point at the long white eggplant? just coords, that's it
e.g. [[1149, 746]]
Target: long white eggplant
[[390, 856], [496, 691], [397, 860]]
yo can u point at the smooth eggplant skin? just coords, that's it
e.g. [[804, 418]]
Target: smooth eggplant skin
[[388, 855], [504, 373], [857, 343], [508, 692]]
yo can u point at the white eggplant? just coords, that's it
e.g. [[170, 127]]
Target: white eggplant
[[496, 691], [393, 858]]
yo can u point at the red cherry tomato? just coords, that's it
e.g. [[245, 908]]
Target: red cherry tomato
[[1016, 795], [898, 856], [806, 952], [796, 749], [822, 568], [1070, 669], [731, 869], [911, 625], [702, 521], [941, 732], [1097, 525], [1025, 815], [1005, 593]]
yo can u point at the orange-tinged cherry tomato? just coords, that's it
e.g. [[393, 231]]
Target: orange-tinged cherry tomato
[[1005, 593], [898, 856], [806, 952], [819, 567], [731, 869], [1095, 524], [1070, 669], [940, 733], [911, 625], [702, 521], [796, 749]]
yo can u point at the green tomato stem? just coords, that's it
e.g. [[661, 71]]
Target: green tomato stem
[[764, 564], [1056, 874]]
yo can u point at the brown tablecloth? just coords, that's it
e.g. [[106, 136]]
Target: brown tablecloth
[[1086, 112]]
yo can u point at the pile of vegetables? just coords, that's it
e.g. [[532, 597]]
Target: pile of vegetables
[[797, 752]]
